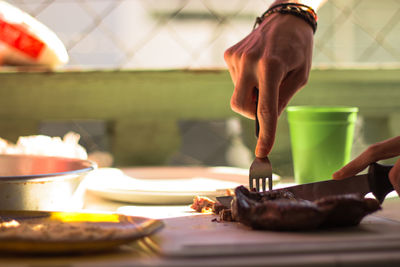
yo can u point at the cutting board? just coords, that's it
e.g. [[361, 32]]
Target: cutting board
[[203, 236]]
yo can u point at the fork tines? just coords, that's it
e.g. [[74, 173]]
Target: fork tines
[[260, 169]]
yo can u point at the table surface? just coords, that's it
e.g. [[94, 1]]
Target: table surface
[[192, 239]]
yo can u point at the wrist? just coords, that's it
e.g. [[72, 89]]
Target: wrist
[[314, 4], [300, 10]]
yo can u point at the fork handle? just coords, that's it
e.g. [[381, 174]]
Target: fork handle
[[256, 101]]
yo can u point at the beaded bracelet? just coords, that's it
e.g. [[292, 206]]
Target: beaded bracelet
[[299, 10]]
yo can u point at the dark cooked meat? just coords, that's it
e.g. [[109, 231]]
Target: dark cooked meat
[[346, 210], [218, 208], [272, 212], [282, 211], [225, 215]]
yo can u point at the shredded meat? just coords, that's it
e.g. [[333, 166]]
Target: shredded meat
[[282, 211], [200, 203]]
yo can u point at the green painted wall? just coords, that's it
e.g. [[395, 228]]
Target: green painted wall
[[143, 107]]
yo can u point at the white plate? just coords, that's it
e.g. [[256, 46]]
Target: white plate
[[114, 184]]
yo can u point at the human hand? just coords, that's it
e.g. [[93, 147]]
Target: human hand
[[383, 150], [275, 58]]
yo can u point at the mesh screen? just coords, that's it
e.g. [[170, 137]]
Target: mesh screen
[[159, 34]]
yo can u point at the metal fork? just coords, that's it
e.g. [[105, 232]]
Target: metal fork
[[261, 168]]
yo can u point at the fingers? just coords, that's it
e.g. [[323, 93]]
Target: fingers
[[250, 72], [241, 63], [352, 168], [370, 155], [242, 100], [230, 62], [394, 176], [270, 77], [386, 149], [382, 150], [293, 82], [233, 57]]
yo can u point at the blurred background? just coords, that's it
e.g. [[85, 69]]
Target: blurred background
[[147, 83], [157, 34]]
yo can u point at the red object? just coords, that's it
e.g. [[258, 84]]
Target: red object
[[18, 37]]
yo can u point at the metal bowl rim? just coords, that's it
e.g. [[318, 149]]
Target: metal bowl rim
[[45, 175], [91, 166]]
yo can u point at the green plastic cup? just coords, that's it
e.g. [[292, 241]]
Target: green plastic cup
[[321, 140]]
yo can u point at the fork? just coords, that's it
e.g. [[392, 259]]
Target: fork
[[261, 168]]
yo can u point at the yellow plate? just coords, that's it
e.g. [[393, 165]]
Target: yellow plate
[[65, 232]]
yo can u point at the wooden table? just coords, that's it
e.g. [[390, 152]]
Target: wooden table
[[192, 239]]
